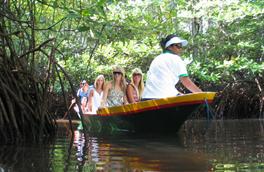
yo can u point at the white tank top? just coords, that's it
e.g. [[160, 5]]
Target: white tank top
[[96, 100]]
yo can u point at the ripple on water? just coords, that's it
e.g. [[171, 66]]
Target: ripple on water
[[231, 145]]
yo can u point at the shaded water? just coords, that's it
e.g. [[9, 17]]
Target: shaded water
[[232, 145]]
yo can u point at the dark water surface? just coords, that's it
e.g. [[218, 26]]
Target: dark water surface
[[223, 146]]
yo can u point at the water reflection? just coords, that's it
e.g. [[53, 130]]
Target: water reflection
[[138, 154], [234, 145]]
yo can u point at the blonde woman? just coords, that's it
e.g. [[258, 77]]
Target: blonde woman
[[115, 90], [136, 87], [96, 94]]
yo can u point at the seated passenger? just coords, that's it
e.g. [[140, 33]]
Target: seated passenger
[[167, 69], [136, 87], [84, 98], [96, 94], [115, 90], [83, 91], [80, 87]]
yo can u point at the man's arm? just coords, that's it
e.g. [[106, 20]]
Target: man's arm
[[187, 82]]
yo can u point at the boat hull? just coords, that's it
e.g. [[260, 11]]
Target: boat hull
[[161, 115]]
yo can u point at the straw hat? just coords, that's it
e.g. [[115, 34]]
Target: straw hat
[[119, 69], [137, 71]]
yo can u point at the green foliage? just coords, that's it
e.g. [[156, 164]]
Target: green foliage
[[240, 68], [225, 37]]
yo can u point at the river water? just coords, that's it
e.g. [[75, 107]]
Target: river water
[[201, 145]]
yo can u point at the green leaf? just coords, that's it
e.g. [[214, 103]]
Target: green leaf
[[83, 28]]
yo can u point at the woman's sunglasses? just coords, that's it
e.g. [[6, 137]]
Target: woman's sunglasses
[[117, 73]]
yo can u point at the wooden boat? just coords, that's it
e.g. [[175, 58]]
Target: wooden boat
[[159, 115]]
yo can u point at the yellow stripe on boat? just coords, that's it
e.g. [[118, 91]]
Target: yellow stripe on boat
[[193, 98]]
